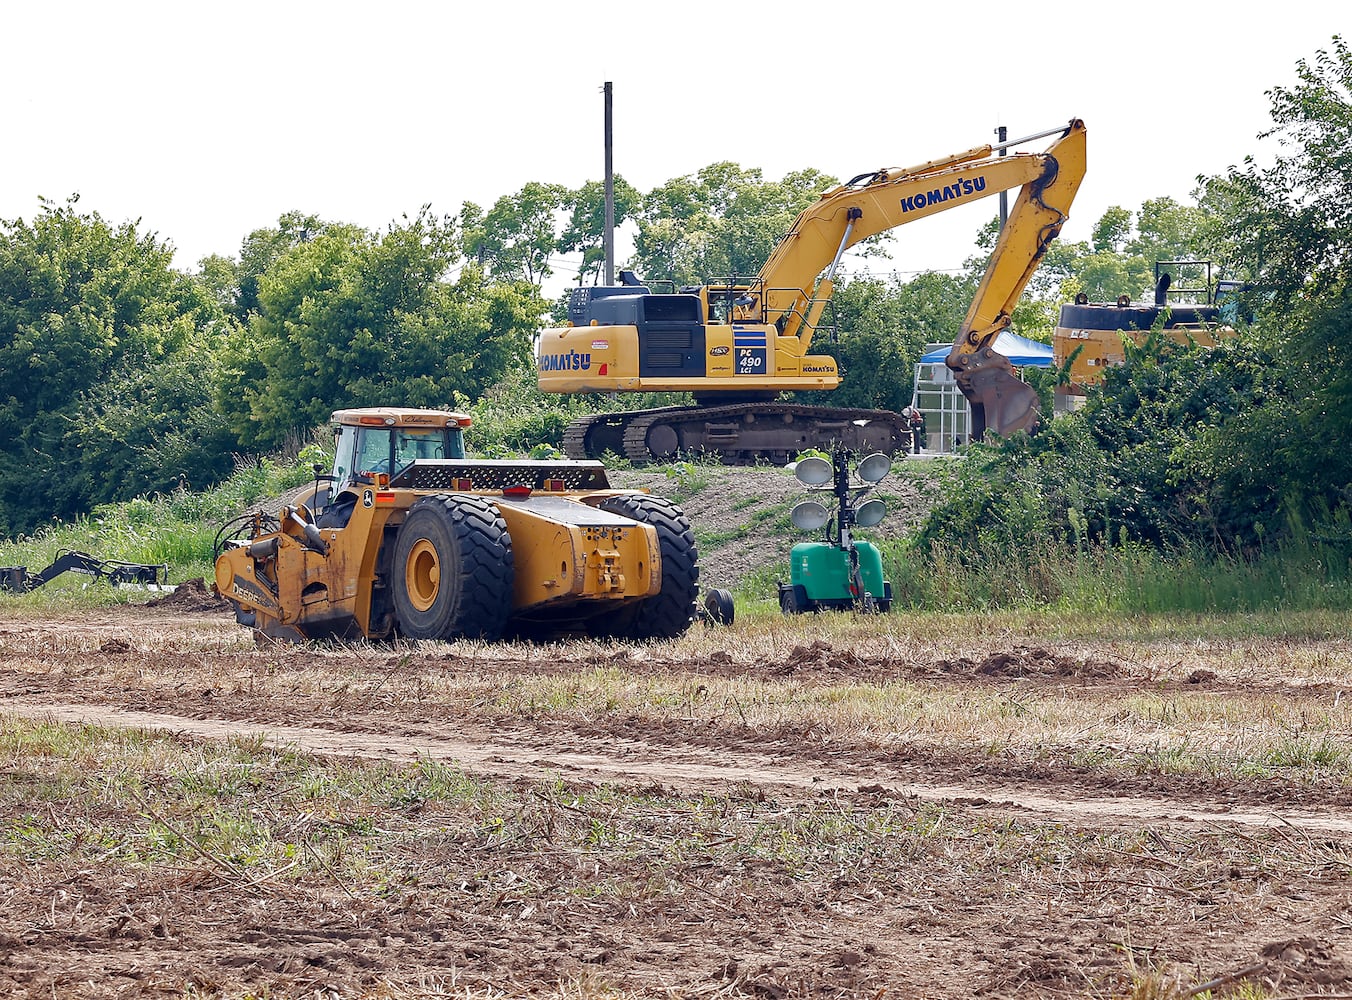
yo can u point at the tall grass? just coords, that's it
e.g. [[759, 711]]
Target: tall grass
[[1298, 575], [177, 529]]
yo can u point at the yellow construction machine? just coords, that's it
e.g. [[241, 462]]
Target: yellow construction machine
[[1190, 306], [406, 536], [736, 346]]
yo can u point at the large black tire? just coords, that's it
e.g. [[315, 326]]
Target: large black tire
[[668, 613], [453, 570]]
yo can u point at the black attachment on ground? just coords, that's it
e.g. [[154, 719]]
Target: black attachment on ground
[[17, 579]]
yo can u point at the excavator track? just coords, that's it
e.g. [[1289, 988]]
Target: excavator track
[[575, 436], [594, 436], [739, 434]]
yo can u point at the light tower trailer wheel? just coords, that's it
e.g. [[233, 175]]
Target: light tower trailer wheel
[[453, 570], [718, 607]]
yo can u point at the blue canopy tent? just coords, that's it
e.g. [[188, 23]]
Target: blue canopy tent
[[1021, 352]]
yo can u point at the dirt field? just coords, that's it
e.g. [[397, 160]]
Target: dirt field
[[772, 811]]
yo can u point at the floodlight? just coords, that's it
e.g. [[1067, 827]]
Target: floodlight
[[813, 471], [875, 468], [869, 513], [808, 515]]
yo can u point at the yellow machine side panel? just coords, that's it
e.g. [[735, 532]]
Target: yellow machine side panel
[[1098, 349], [563, 553], [588, 359], [745, 357], [719, 356], [1102, 349]]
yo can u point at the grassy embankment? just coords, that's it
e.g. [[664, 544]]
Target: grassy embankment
[[177, 530], [1301, 575]]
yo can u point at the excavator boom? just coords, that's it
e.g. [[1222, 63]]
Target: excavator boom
[[875, 203], [999, 401]]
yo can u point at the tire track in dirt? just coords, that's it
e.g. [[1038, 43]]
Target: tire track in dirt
[[690, 769]]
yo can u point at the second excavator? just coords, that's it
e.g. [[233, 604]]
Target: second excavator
[[737, 345]]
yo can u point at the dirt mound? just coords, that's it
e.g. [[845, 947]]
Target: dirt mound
[[816, 663], [819, 655], [822, 662], [1306, 960], [190, 595], [1023, 662]]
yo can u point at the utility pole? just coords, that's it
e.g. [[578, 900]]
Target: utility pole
[[1002, 134], [610, 192]]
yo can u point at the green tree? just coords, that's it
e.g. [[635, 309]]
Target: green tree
[[516, 238], [721, 222], [150, 427], [353, 318], [1112, 231], [261, 250], [882, 328], [219, 276], [1099, 269], [1166, 230], [1104, 276], [1124, 248], [585, 229], [1290, 223], [84, 306]]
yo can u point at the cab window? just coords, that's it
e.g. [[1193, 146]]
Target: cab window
[[412, 444], [373, 449], [455, 442], [369, 449], [344, 454]]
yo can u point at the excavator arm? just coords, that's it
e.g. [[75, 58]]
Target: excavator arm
[[1000, 401], [797, 280]]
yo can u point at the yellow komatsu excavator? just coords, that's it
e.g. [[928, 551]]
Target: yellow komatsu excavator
[[737, 346]]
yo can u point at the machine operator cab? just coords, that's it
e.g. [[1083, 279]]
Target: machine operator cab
[[373, 444], [382, 440]]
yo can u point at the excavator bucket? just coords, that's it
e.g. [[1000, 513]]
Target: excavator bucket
[[1000, 401]]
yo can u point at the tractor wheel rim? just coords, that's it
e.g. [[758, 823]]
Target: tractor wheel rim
[[422, 575]]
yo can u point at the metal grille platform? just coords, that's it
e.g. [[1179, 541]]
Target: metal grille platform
[[491, 475]]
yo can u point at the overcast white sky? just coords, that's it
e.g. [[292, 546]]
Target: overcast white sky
[[208, 120]]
